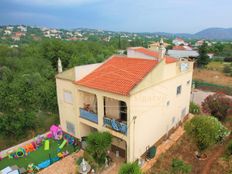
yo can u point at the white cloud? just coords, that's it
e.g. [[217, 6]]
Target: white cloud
[[56, 2]]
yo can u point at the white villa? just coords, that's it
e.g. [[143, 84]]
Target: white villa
[[139, 98]]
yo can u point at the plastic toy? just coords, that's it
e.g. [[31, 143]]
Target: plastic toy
[[69, 139], [62, 154], [31, 168], [46, 145], [62, 145], [39, 140], [56, 132], [47, 163], [20, 153], [29, 148]]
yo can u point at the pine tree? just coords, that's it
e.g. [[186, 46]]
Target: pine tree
[[203, 58]]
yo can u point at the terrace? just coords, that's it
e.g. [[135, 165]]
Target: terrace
[[115, 115]]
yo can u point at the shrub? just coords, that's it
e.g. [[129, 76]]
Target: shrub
[[205, 131], [228, 59], [130, 168], [227, 69], [179, 166], [194, 108], [97, 145], [229, 148], [217, 105]]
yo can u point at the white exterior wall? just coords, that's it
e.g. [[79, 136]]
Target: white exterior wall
[[67, 111], [135, 54], [182, 53], [154, 117], [82, 71]]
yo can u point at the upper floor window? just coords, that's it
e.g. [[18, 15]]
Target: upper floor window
[[68, 97], [178, 90], [188, 82]]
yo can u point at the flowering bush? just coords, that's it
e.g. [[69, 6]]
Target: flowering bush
[[217, 105]]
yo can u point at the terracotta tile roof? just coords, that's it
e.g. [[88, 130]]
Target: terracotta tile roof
[[178, 48], [187, 48], [119, 74], [154, 54]]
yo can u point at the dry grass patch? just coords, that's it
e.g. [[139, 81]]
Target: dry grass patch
[[210, 76]]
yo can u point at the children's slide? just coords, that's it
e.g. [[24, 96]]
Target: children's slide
[[46, 146], [62, 144]]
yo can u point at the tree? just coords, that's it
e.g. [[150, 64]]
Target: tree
[[97, 145], [205, 131], [203, 58], [16, 123], [217, 105], [180, 167], [130, 168]]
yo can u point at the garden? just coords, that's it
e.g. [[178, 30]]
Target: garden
[[206, 146], [41, 152]]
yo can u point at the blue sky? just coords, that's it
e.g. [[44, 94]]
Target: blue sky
[[120, 15]]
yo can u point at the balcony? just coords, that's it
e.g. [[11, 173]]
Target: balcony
[[115, 125], [88, 115]]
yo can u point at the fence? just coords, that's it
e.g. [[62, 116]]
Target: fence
[[6, 152], [213, 87]]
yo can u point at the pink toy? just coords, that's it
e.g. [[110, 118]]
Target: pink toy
[[56, 132], [49, 135]]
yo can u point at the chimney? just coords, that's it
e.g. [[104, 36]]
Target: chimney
[[162, 50], [60, 69]]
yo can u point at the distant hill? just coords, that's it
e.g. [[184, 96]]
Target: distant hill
[[210, 33], [215, 33]]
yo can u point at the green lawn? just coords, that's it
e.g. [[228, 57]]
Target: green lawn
[[37, 156]]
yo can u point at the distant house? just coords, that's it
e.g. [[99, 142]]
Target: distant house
[[156, 45], [201, 42], [22, 28], [7, 32], [15, 38], [10, 28], [19, 34], [139, 98], [210, 55], [178, 41], [183, 52]]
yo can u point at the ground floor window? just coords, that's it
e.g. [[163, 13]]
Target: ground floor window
[[70, 127]]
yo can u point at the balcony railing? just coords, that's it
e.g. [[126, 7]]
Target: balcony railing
[[115, 125], [88, 115]]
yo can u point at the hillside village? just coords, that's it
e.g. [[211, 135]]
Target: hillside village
[[94, 101]]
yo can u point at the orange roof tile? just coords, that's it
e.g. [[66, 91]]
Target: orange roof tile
[[154, 54], [119, 74]]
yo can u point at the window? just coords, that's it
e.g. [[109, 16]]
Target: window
[[123, 111], [173, 120], [183, 112], [68, 97], [178, 90], [70, 127], [168, 103], [188, 82]]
